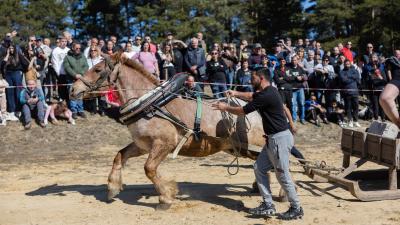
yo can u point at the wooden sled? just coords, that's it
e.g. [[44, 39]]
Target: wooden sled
[[368, 148]]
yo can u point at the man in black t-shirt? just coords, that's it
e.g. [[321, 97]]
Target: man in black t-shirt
[[275, 154]]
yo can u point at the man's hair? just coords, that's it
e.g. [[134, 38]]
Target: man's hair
[[263, 73], [75, 44]]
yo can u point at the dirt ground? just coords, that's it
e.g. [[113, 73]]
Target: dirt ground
[[58, 175]]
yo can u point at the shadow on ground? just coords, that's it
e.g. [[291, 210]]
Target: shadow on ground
[[132, 194]]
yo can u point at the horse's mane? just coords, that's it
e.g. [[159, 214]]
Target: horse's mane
[[138, 67]]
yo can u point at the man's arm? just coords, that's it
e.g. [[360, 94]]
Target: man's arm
[[247, 96], [237, 110]]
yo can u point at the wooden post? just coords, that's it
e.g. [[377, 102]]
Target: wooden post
[[392, 178], [346, 160]]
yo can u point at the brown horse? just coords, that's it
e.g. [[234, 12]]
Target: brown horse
[[157, 136]]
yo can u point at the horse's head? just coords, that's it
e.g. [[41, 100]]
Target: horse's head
[[96, 79]]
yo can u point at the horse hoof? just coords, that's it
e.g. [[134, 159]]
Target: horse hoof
[[112, 193], [163, 206]]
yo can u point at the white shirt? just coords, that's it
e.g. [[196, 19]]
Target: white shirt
[[130, 54], [136, 48], [57, 59], [92, 62]]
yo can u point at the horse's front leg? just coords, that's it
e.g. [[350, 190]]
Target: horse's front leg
[[115, 177], [166, 189]]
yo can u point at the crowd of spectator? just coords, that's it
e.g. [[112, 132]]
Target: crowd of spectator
[[314, 83]]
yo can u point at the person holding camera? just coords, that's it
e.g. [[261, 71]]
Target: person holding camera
[[32, 100]]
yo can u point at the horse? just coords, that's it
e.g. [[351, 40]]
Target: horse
[[158, 136]]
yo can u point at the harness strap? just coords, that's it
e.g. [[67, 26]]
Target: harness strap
[[181, 143], [197, 119]]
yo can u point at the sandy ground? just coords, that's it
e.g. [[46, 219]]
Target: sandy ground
[[58, 175]]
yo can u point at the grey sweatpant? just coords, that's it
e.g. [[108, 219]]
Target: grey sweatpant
[[276, 155]]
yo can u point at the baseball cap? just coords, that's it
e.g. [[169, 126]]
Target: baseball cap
[[257, 45]]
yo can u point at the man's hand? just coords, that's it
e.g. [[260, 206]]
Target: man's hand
[[192, 68], [33, 100], [78, 76], [231, 93], [299, 78], [220, 106]]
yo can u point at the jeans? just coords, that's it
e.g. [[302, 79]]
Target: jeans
[[298, 99], [38, 107], [351, 106], [229, 74], [376, 107], [276, 154], [76, 105], [13, 78], [218, 90]]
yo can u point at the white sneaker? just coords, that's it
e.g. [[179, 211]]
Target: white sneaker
[[341, 124], [351, 124], [73, 122], [356, 124], [3, 122], [11, 117]]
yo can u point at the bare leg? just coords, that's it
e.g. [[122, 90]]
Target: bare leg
[[387, 101], [115, 177], [166, 189]]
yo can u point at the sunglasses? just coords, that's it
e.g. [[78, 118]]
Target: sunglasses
[[94, 50], [138, 39]]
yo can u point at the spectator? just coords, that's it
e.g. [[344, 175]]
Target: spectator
[[202, 43], [46, 46], [299, 76], [129, 50], [57, 59], [255, 59], [324, 75], [333, 59], [377, 80], [283, 81], [3, 101], [147, 59], [216, 69], [75, 64], [318, 49], [91, 104], [32, 99], [12, 66], [244, 51], [152, 47], [315, 110], [68, 37], [94, 42], [195, 61], [369, 52], [346, 51], [59, 110], [109, 49], [349, 81], [310, 63], [230, 59], [336, 113], [301, 55], [137, 45], [102, 43], [41, 62], [167, 57], [243, 78], [299, 44], [178, 57], [192, 90], [116, 46]]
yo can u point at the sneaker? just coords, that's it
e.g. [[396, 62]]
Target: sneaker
[[317, 123], [42, 124], [303, 122], [28, 126], [3, 122], [75, 116], [82, 114], [351, 124], [292, 214], [11, 117], [72, 122], [341, 124], [356, 124], [102, 113], [264, 209]]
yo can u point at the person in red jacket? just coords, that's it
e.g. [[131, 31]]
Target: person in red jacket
[[347, 52]]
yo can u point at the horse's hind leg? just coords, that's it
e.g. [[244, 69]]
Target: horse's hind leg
[[115, 177], [166, 189]]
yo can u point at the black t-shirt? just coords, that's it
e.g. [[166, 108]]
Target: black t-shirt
[[269, 105]]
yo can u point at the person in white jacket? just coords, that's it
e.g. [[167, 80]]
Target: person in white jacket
[[57, 60], [92, 104]]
